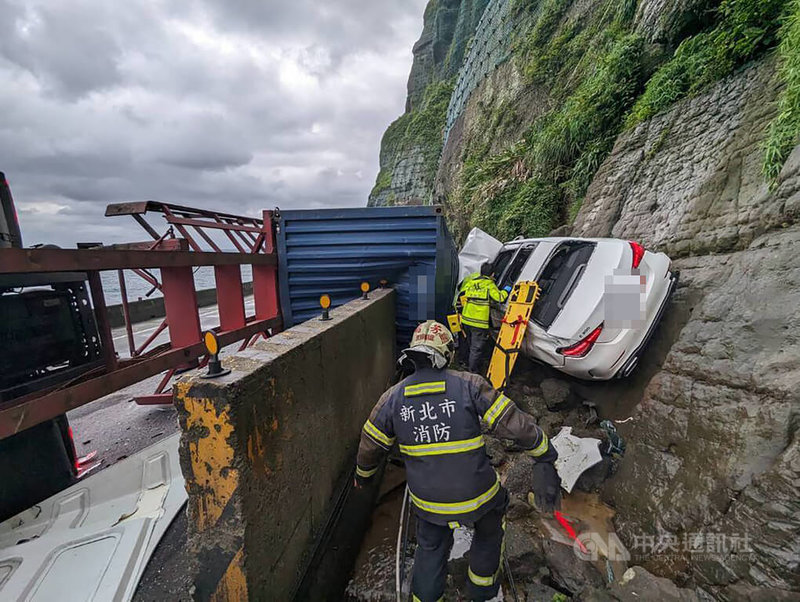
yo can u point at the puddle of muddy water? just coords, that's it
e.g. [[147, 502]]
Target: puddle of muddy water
[[374, 574], [593, 524]]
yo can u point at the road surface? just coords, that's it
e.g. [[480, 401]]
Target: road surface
[[209, 318], [115, 426]]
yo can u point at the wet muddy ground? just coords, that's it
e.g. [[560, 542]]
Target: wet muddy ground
[[545, 562], [374, 575]]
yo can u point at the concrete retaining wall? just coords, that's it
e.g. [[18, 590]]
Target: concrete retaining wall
[[147, 309], [264, 447]]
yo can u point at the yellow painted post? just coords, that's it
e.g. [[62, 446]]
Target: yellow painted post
[[214, 479]]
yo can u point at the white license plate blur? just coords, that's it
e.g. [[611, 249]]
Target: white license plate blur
[[625, 300]]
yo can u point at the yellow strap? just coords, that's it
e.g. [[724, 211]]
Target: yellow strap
[[457, 507], [365, 473], [539, 449], [447, 447], [496, 409], [425, 388], [454, 524], [379, 436], [415, 599], [482, 581]]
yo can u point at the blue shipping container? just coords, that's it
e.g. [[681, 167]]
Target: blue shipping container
[[332, 251]]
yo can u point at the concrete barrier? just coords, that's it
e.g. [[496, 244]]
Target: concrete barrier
[[147, 309], [263, 448]]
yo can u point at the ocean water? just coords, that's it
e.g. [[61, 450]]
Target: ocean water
[[138, 288]]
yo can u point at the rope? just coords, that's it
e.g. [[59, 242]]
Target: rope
[[507, 570], [402, 541]]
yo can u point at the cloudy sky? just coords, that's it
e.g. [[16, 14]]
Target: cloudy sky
[[239, 105]]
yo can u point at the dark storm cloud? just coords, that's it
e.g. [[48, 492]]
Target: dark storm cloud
[[63, 44], [237, 105], [340, 26]]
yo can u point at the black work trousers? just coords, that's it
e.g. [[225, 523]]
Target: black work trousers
[[433, 550], [479, 341]]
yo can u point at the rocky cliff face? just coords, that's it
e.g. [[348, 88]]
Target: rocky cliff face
[[543, 89], [674, 123], [448, 27], [714, 445], [410, 147]]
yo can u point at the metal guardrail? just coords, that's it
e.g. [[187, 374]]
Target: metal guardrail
[[254, 241]]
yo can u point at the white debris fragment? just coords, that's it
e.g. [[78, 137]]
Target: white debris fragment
[[462, 540], [575, 456]]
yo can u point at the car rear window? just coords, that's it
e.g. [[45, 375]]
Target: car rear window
[[558, 279], [513, 261], [501, 262]]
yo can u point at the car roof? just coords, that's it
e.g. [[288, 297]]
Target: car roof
[[556, 239]]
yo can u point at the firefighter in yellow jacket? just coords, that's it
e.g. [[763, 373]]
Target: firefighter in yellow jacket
[[435, 417], [478, 290]]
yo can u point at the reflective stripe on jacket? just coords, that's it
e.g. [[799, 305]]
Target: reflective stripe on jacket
[[478, 292], [435, 418]]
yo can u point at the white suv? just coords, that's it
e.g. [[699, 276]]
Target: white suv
[[601, 300]]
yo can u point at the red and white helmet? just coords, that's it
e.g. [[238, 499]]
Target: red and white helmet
[[433, 338]]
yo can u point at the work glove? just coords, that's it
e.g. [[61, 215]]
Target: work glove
[[507, 289], [546, 487]]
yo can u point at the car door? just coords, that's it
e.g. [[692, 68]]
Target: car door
[[522, 261]]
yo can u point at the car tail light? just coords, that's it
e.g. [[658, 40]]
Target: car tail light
[[582, 347], [76, 463], [638, 253]]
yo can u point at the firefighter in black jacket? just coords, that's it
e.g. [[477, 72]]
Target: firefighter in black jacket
[[435, 417]]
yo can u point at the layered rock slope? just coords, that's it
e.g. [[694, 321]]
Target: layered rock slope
[[673, 123], [715, 442]]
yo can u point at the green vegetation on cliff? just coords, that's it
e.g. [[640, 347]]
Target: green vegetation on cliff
[[593, 69], [426, 125], [419, 129], [743, 31], [784, 132], [449, 26], [600, 77], [579, 74]]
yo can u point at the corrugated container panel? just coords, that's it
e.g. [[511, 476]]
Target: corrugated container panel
[[332, 251]]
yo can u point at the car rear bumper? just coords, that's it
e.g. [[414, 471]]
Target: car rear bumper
[[618, 358]]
